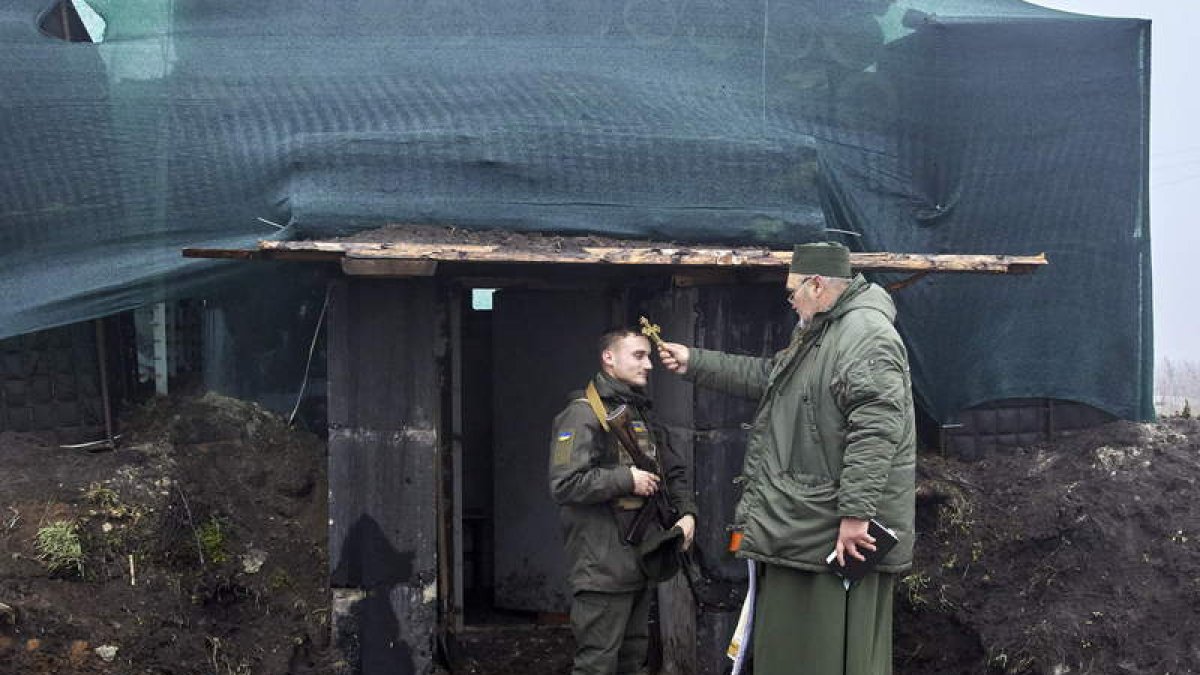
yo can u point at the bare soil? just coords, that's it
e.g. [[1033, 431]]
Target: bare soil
[[204, 541], [1076, 556], [503, 239]]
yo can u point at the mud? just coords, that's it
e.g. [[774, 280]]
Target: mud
[[204, 547], [1081, 555]]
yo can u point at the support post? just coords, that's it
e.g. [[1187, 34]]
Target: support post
[[385, 354], [673, 399], [160, 348]]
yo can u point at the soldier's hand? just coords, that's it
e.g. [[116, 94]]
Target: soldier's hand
[[644, 482], [688, 524], [674, 357]]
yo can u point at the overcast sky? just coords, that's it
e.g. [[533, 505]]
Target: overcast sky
[[1174, 162]]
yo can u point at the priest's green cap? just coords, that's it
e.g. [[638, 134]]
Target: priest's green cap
[[827, 258]]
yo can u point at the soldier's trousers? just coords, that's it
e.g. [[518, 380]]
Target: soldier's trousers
[[611, 632], [806, 623]]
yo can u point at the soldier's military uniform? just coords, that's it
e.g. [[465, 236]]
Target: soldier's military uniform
[[590, 480]]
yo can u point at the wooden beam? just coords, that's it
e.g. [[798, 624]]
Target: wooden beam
[[682, 256], [260, 254], [365, 267], [703, 277], [947, 262], [717, 276], [222, 253]]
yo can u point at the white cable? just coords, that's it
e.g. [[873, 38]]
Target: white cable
[[312, 347]]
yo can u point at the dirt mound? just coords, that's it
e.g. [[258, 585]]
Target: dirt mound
[[502, 239], [202, 544], [202, 549], [1077, 556]]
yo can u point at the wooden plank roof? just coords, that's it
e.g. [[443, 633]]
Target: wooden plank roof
[[575, 251]]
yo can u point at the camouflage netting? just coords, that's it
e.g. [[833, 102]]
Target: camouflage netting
[[953, 126]]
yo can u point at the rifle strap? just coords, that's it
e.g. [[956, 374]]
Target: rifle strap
[[593, 399]]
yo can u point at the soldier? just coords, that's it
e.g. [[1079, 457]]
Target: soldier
[[832, 446], [601, 493]]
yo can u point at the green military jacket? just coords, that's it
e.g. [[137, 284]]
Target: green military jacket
[[590, 479], [834, 434]]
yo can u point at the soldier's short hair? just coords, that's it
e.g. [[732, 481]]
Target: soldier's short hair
[[614, 336]]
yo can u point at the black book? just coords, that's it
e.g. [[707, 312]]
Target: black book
[[856, 569]]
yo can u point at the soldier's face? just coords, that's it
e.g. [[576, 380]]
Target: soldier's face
[[628, 360]]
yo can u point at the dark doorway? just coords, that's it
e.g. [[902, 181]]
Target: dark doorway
[[520, 354], [516, 355], [476, 520]]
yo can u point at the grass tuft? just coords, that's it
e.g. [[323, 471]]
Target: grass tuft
[[214, 541], [59, 547]]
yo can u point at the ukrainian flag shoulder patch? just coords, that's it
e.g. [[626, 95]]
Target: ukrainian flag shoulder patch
[[564, 442]]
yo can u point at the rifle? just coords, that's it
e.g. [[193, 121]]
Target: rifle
[[658, 507]]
